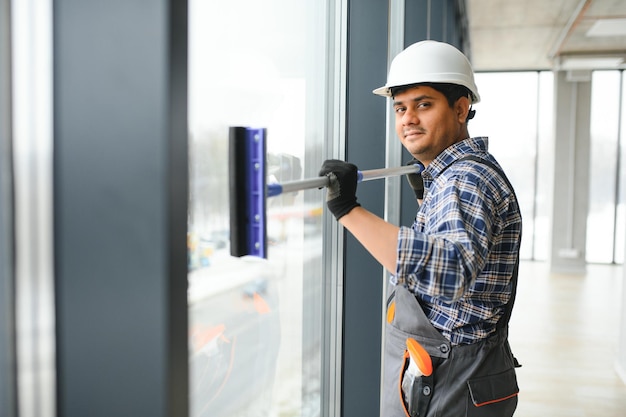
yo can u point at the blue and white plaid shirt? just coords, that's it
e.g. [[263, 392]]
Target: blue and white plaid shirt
[[459, 256]]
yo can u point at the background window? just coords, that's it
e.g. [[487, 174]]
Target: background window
[[522, 140], [515, 113], [601, 219], [620, 224]]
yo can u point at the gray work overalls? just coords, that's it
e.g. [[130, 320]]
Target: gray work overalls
[[467, 380]]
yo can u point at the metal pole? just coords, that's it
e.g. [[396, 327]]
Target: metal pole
[[320, 182]]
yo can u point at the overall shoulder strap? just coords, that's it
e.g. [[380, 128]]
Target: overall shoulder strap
[[504, 320]]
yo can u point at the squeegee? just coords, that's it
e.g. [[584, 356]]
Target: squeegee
[[248, 189]]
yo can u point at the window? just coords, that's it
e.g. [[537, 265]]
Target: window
[[620, 222], [521, 138], [255, 329], [602, 216]]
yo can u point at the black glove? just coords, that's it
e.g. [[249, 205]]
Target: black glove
[[341, 193], [416, 181]]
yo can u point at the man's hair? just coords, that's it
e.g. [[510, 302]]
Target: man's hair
[[452, 92]]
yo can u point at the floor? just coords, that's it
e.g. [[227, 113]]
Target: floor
[[564, 332]]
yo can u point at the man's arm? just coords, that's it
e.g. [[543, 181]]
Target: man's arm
[[376, 235], [379, 237]]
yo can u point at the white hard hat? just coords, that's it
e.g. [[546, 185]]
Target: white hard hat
[[430, 62]]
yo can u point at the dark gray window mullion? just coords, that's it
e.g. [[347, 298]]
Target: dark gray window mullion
[[120, 207], [8, 378], [365, 146]]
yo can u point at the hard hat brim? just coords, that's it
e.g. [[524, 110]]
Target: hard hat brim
[[385, 91], [382, 91]]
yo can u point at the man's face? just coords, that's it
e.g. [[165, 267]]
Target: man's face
[[425, 123]]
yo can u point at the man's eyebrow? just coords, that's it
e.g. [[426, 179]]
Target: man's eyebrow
[[418, 98]]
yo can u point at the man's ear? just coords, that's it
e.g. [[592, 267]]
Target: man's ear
[[462, 108]]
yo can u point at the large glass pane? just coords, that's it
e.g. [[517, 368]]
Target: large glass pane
[[603, 160], [255, 329], [545, 168], [620, 225], [512, 132], [32, 146]]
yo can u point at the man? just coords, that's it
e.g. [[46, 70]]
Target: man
[[455, 270]]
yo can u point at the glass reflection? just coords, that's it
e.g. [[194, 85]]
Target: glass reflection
[[255, 330]]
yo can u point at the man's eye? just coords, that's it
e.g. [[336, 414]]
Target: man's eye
[[422, 105], [400, 109]]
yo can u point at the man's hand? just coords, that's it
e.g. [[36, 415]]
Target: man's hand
[[341, 193], [416, 181]]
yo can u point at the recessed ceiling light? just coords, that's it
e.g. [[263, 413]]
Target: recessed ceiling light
[[608, 27], [574, 63]]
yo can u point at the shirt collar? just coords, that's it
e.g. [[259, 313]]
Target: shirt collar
[[456, 151]]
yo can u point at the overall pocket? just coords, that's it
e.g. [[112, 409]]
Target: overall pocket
[[405, 319], [416, 380], [493, 395]]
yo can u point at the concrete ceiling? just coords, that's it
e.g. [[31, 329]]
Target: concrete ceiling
[[546, 34]]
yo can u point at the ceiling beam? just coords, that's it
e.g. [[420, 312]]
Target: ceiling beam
[[573, 21]]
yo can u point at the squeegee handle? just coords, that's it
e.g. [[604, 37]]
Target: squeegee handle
[[319, 182]]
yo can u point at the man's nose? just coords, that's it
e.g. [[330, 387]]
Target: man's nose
[[409, 117]]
